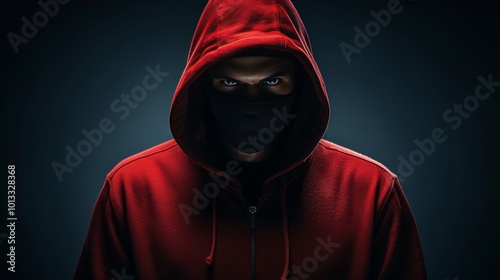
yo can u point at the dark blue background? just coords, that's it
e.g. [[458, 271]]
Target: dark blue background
[[395, 91]]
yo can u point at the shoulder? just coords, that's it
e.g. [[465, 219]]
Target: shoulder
[[347, 173], [148, 161], [334, 156]]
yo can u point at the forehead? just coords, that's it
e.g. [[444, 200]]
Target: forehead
[[252, 64]]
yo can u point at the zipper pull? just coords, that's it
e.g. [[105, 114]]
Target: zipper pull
[[252, 210]]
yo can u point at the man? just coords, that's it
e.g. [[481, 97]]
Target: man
[[248, 189]]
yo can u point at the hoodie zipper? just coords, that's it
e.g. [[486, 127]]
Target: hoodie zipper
[[252, 210]]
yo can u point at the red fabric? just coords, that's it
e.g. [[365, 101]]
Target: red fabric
[[326, 212]]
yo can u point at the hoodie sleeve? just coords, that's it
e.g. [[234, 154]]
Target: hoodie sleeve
[[104, 254], [397, 253]]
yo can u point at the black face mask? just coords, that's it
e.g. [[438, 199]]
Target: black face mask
[[251, 126]]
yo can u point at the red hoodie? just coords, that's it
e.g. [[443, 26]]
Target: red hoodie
[[177, 210]]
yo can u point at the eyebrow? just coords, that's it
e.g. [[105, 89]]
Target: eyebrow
[[272, 76]]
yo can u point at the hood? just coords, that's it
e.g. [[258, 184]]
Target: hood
[[229, 27]]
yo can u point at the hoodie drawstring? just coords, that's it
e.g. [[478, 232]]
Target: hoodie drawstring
[[209, 260], [285, 231]]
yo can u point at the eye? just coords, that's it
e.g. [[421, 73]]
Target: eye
[[229, 83], [272, 82]]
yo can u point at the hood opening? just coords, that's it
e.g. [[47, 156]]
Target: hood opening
[[230, 27]]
